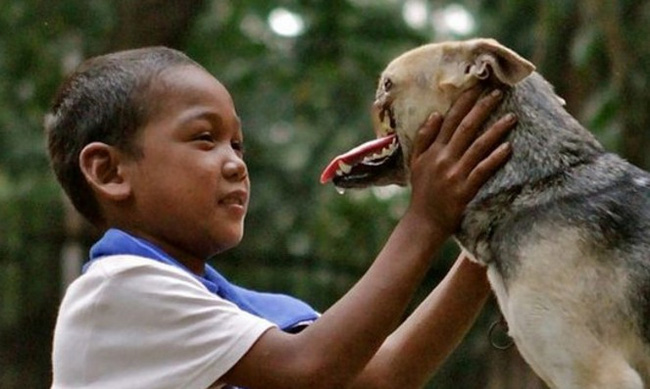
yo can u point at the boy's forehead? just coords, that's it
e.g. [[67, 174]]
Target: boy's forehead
[[190, 85], [190, 88], [191, 77]]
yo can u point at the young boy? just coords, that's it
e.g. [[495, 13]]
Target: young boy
[[148, 146]]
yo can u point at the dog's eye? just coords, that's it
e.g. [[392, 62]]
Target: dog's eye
[[388, 84]]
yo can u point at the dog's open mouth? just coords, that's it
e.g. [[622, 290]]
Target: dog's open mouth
[[377, 162]]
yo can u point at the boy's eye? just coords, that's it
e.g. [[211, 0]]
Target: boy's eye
[[238, 146], [205, 136]]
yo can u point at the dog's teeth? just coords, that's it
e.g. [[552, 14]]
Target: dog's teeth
[[387, 151], [344, 167]]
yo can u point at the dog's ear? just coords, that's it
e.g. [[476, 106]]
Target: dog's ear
[[491, 58]]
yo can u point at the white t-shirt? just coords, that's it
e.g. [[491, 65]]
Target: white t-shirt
[[132, 322]]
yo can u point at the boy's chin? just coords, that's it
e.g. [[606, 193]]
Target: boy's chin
[[229, 243]]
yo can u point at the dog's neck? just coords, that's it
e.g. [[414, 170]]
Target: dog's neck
[[546, 142], [548, 147]]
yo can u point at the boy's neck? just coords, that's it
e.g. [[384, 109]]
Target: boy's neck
[[193, 263]]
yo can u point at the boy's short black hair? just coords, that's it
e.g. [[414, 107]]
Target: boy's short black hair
[[104, 100]]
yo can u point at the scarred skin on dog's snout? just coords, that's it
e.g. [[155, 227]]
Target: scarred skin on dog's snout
[[412, 87]]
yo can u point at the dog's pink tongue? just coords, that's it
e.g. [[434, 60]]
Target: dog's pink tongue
[[355, 155]]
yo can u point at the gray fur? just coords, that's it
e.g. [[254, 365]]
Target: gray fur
[[559, 178]]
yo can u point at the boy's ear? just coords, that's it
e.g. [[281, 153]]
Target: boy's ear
[[101, 165]]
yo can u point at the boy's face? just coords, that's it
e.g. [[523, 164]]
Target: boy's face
[[191, 187]]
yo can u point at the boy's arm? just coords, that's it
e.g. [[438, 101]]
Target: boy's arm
[[412, 353], [448, 168]]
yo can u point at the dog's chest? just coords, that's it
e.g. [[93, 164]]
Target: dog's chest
[[490, 231]]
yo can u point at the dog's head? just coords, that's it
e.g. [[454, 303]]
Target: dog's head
[[421, 81]]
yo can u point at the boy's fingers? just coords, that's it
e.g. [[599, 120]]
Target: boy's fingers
[[487, 142], [461, 107], [487, 167], [466, 132], [426, 135]]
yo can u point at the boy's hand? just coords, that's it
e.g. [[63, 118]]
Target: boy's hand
[[450, 163]]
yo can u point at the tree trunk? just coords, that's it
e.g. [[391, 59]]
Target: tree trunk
[[153, 22], [629, 70]]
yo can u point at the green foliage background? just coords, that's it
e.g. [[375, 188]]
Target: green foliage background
[[302, 101]]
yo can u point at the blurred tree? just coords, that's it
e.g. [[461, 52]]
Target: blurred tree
[[622, 26], [152, 23]]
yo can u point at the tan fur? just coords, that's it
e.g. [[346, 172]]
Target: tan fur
[[429, 78], [543, 292]]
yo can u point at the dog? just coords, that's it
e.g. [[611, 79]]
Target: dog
[[563, 227]]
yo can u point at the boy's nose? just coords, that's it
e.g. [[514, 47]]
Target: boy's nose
[[235, 169]]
